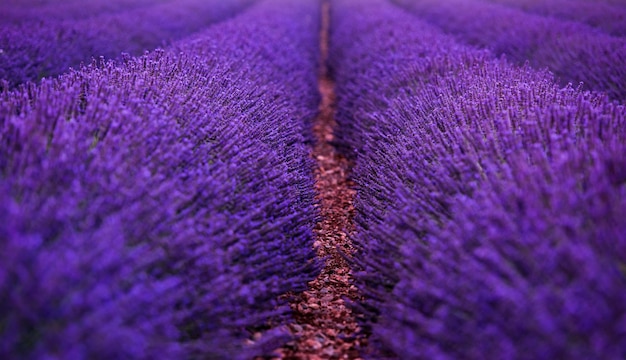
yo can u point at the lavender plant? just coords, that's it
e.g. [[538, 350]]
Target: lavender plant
[[605, 16], [150, 209], [46, 48], [490, 199], [573, 52], [16, 12]]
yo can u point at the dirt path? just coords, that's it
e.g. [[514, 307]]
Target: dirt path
[[326, 328]]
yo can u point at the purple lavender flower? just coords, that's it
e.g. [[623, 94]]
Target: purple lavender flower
[[572, 51], [44, 47], [490, 199], [159, 207]]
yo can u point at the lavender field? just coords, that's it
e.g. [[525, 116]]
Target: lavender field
[[312, 179]]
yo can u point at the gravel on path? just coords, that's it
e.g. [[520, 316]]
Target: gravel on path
[[326, 327]]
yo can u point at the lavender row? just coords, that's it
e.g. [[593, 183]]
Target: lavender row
[[31, 51], [612, 2], [489, 208], [605, 16], [159, 207], [20, 12], [572, 51]]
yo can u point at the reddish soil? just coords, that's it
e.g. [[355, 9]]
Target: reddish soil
[[326, 327]]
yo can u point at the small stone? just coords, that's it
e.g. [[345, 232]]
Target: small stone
[[329, 351], [315, 345]]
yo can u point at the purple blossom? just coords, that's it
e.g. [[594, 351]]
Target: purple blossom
[[46, 47], [159, 207], [607, 16], [20, 11], [572, 51], [490, 200]]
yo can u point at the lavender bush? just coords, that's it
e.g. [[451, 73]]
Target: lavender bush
[[608, 17], [490, 200], [12, 11], [159, 207], [36, 49], [572, 51]]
